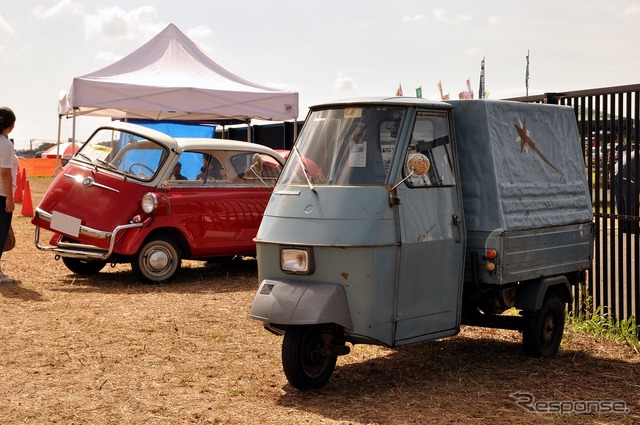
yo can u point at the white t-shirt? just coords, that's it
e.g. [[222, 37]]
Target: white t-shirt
[[8, 159]]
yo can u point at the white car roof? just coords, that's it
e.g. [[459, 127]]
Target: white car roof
[[181, 144]]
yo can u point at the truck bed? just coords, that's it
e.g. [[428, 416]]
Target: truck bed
[[524, 189]]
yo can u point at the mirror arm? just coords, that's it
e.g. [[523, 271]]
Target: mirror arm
[[403, 180], [257, 175]]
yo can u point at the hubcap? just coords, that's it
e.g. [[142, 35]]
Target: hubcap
[[158, 260]]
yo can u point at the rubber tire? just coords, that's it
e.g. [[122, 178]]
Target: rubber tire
[[83, 267], [144, 272], [543, 330], [304, 366]]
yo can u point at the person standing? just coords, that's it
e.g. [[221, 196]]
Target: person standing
[[8, 176], [626, 191]]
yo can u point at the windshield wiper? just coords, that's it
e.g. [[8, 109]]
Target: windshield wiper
[[105, 163], [304, 169], [84, 156]]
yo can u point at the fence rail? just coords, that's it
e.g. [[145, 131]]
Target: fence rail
[[609, 132]]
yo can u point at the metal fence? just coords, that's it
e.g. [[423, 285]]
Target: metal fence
[[608, 124]]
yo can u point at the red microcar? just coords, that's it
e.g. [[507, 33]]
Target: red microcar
[[135, 195]]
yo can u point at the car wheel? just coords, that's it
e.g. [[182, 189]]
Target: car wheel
[[544, 328], [157, 261], [83, 267], [304, 359]]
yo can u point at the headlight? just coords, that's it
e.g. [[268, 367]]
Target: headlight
[[149, 202], [296, 260]]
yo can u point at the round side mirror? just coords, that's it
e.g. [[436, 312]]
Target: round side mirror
[[256, 163], [418, 164]]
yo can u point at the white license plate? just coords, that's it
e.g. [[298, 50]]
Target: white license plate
[[64, 223]]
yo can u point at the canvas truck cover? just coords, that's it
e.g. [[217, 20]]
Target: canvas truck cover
[[521, 165]]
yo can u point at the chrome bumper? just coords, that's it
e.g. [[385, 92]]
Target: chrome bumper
[[78, 250]]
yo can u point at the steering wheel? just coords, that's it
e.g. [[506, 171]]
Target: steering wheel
[[141, 165]]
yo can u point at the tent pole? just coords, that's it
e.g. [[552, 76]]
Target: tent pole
[[249, 129], [58, 159], [73, 130]]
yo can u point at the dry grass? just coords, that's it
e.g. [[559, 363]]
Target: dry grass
[[108, 350]]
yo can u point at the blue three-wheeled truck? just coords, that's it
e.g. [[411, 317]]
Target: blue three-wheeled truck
[[397, 220]]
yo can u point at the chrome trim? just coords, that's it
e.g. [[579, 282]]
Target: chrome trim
[[89, 181], [84, 230], [78, 250]]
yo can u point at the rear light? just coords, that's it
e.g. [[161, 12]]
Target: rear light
[[490, 257]]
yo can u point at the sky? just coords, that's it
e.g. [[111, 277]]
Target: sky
[[325, 50]]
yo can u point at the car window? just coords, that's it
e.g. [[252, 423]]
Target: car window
[[430, 137], [252, 168], [125, 153], [226, 168]]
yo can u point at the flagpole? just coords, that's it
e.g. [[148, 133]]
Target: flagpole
[[526, 78], [481, 88]]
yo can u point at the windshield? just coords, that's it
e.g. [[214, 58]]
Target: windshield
[[125, 153], [346, 146]]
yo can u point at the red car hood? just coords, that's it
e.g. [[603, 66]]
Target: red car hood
[[102, 203]]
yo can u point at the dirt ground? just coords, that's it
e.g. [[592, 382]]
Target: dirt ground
[[109, 350]]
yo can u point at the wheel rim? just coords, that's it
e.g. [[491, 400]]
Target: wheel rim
[[157, 261], [312, 360], [548, 329]]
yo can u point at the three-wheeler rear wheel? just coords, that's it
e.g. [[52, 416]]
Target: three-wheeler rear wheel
[[543, 328], [309, 354]]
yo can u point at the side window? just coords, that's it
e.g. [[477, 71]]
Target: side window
[[430, 137], [255, 169], [189, 165]]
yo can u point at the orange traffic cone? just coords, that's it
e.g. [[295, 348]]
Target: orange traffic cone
[[17, 197], [27, 204]]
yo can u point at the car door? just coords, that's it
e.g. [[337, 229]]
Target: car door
[[432, 236]]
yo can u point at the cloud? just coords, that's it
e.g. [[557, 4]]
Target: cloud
[[107, 58], [114, 24], [199, 32], [344, 82], [474, 51], [6, 28], [440, 15], [493, 20], [64, 7], [413, 18], [633, 11]]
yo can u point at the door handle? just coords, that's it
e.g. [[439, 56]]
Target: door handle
[[455, 220]]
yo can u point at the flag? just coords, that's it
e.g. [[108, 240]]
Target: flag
[[468, 93], [526, 77], [419, 92], [442, 96], [399, 91], [481, 89]]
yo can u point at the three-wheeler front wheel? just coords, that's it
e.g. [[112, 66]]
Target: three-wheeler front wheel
[[157, 261], [309, 354], [544, 328]]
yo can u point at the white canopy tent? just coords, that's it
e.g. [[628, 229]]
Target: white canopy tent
[[171, 78]]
